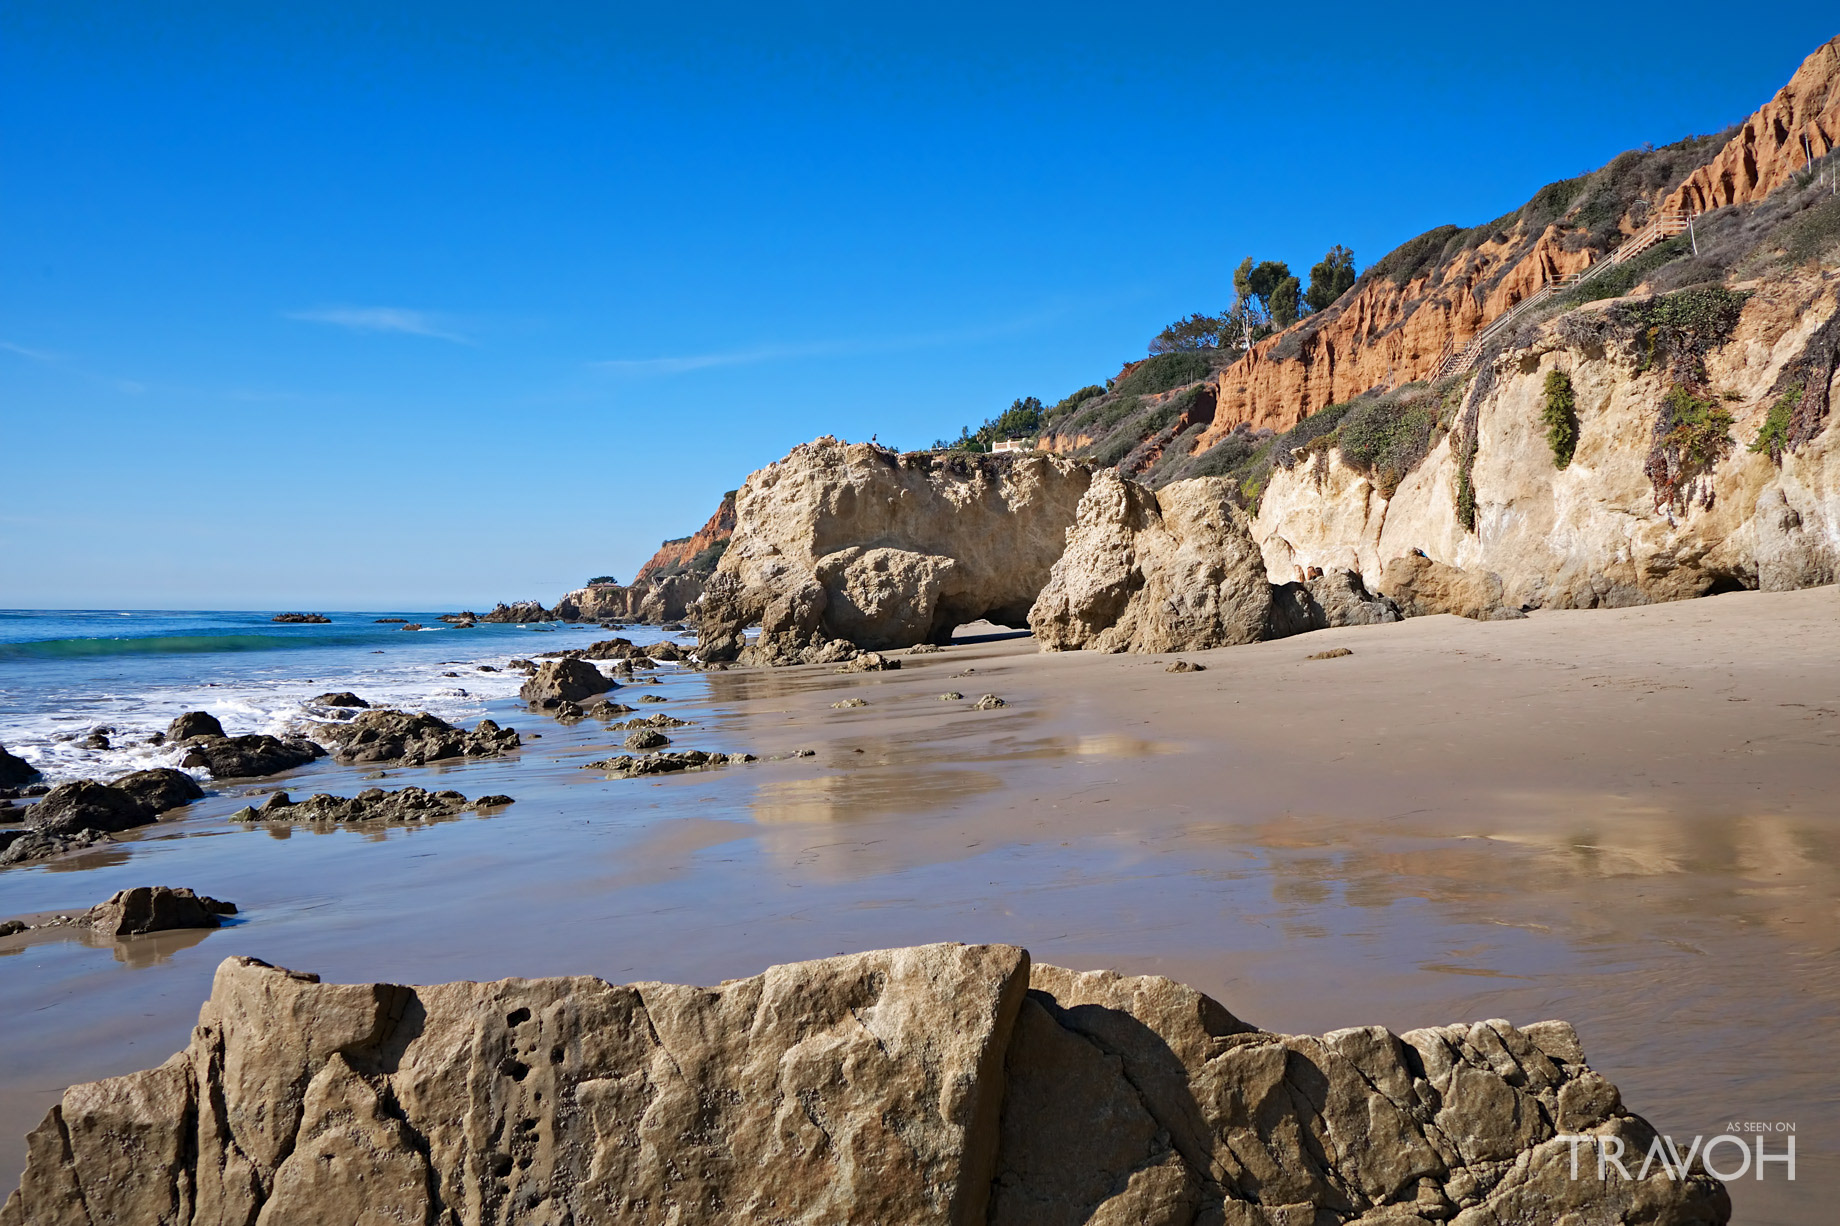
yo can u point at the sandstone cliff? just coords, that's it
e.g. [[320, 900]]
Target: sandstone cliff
[[942, 1084], [1769, 147], [840, 546], [1630, 519]]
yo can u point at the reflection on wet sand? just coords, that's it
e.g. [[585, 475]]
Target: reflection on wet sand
[[1378, 844]]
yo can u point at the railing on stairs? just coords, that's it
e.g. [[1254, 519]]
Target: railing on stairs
[[1455, 361]]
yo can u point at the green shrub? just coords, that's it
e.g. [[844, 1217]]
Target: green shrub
[[1701, 433], [1560, 417], [601, 579], [1466, 485], [1385, 439], [1773, 436], [1076, 399], [1166, 370]]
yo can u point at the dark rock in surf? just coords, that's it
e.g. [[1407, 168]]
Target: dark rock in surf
[[413, 738], [343, 698], [15, 771], [194, 723], [87, 805], [246, 757], [301, 619]]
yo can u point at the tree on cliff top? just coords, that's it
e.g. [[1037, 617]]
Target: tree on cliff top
[[1331, 278]]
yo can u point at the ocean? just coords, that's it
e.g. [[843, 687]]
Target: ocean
[[65, 674]]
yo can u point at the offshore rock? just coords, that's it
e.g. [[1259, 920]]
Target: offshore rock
[[840, 546], [414, 738], [518, 613], [1167, 570], [943, 1085]]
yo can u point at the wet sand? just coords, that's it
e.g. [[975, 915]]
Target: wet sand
[[1623, 818]]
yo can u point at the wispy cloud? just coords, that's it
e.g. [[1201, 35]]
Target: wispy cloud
[[681, 363], [37, 355], [381, 319]]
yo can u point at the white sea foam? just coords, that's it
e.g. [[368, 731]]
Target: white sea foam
[[273, 696]]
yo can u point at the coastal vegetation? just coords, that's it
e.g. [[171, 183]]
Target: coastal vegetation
[[1560, 417]]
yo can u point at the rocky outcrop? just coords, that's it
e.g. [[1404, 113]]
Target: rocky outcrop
[[161, 788], [302, 619], [564, 680], [665, 763], [840, 546], [518, 612], [248, 757], [1167, 570], [87, 805], [943, 1084], [1324, 601], [1421, 587], [370, 805], [1768, 149], [414, 738], [155, 908], [15, 771], [341, 699], [1602, 531]]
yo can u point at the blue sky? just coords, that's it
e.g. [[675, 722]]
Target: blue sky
[[396, 305]]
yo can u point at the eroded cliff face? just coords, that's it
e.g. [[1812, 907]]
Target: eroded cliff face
[[1768, 149], [842, 546], [943, 1084], [1600, 532]]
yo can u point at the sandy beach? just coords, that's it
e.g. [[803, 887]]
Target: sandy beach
[[1622, 818]]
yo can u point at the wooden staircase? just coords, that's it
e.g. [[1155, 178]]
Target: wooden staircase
[[1455, 361]]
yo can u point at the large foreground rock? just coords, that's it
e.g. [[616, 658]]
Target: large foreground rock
[[1167, 570], [850, 544], [942, 1084]]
